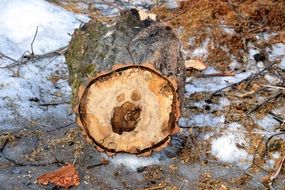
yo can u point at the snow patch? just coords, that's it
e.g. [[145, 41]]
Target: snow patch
[[22, 97], [278, 51], [172, 4], [202, 120], [201, 51], [224, 102], [228, 30], [212, 84], [132, 161], [267, 123], [272, 79], [20, 19], [225, 147], [234, 64]]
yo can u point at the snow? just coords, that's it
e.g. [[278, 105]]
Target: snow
[[225, 147], [268, 123], [271, 163], [224, 102], [234, 64], [21, 96], [278, 52], [271, 79], [132, 161], [228, 30], [172, 4], [212, 84], [252, 52], [20, 19], [201, 51], [201, 120]]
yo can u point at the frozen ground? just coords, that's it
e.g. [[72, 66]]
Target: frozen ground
[[37, 130]]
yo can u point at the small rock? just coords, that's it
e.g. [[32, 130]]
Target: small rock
[[259, 57], [141, 169]]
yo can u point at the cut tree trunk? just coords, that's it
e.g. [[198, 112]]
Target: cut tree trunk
[[127, 83]]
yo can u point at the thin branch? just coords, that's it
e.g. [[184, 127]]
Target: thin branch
[[34, 38], [102, 163], [277, 118], [25, 58], [249, 79], [59, 51], [268, 140], [23, 164], [7, 57], [61, 127], [226, 74], [54, 103], [130, 53], [255, 153], [270, 86], [264, 103]]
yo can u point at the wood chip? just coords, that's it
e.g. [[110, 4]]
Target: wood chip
[[195, 64], [223, 187], [65, 176], [144, 15]]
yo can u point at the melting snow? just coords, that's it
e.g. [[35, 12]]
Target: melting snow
[[20, 19], [225, 147], [132, 161], [278, 52], [212, 84], [201, 51], [201, 120], [21, 96], [268, 123]]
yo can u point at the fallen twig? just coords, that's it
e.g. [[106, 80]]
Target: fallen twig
[[102, 162], [277, 118], [155, 187], [25, 58], [255, 153], [32, 43], [59, 51], [23, 164], [249, 79], [225, 74], [270, 86], [268, 180], [54, 103], [264, 102], [61, 127], [268, 140]]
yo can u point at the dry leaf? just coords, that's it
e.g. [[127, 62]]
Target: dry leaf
[[144, 15], [65, 176], [195, 64]]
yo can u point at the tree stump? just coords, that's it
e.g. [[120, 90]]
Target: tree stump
[[127, 83]]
